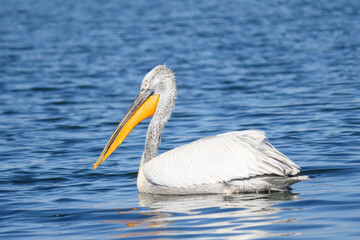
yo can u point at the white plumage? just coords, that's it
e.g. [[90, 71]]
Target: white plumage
[[234, 162]]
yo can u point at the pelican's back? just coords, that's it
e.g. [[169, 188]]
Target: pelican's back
[[242, 161]]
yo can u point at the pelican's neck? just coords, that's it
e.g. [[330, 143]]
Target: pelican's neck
[[152, 141], [156, 126]]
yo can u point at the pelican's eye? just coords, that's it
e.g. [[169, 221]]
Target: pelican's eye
[[146, 85]]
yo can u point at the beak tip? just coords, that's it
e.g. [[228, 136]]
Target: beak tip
[[95, 166]]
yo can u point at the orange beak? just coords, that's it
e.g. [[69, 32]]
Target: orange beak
[[143, 107]]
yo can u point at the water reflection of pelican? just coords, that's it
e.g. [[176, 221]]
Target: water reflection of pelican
[[242, 161], [236, 216]]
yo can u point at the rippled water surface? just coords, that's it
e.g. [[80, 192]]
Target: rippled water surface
[[70, 69]]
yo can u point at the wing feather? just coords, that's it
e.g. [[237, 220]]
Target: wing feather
[[222, 158]]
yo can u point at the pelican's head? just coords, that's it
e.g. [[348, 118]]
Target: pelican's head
[[157, 92], [161, 80]]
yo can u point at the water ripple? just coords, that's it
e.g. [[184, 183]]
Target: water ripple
[[69, 71]]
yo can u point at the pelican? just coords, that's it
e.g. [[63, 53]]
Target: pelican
[[233, 162]]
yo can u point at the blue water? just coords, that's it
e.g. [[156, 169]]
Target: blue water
[[70, 69]]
